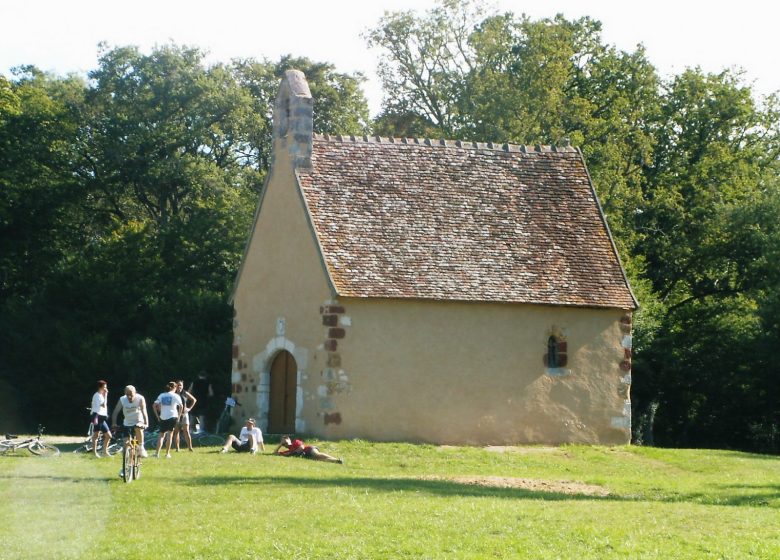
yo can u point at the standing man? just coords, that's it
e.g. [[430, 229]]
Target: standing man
[[99, 418], [133, 406], [203, 391], [167, 408], [183, 425]]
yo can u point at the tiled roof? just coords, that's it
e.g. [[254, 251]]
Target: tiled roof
[[407, 218]]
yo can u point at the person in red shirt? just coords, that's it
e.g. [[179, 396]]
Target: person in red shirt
[[296, 448]]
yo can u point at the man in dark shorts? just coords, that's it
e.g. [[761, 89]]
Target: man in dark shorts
[[296, 448], [167, 407], [247, 441], [99, 418]]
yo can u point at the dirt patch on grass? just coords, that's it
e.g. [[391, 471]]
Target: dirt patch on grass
[[63, 440], [526, 449], [552, 486]]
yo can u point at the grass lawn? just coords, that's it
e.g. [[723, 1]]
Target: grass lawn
[[396, 501]]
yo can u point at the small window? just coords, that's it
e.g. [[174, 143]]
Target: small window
[[552, 352], [555, 356]]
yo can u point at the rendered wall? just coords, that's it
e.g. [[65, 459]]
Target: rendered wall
[[439, 372], [472, 373], [276, 302]]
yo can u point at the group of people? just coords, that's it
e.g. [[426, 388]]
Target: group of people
[[172, 410]]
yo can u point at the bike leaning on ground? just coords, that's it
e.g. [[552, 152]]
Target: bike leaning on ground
[[86, 446], [205, 439], [34, 445]]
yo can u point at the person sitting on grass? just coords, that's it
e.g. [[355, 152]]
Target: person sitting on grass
[[247, 441], [296, 448]]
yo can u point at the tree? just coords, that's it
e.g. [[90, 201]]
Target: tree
[[686, 171], [124, 208]]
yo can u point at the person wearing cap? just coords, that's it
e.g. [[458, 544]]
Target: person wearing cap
[[296, 448], [247, 441]]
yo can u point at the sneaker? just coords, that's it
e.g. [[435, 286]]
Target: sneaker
[[340, 461], [223, 450], [144, 454], [253, 451], [168, 456]]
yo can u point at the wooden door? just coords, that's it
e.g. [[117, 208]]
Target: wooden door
[[281, 406]]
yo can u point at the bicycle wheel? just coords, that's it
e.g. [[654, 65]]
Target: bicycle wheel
[[127, 464], [208, 440], [84, 448], [115, 448], [43, 449], [136, 465]]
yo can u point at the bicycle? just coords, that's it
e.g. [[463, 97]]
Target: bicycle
[[205, 439], [151, 437], [34, 445], [131, 458], [223, 423], [86, 445]]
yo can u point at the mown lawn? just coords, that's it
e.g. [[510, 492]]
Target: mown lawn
[[397, 501]]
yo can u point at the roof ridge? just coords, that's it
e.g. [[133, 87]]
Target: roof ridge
[[503, 147]]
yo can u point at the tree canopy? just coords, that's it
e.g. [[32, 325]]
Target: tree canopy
[[125, 201], [686, 169], [126, 196]]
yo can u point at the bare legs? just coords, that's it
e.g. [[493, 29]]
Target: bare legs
[[231, 438]]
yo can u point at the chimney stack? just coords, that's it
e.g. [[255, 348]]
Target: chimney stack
[[293, 118]]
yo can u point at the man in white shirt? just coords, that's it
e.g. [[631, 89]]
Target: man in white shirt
[[133, 406], [167, 407], [99, 418], [247, 441]]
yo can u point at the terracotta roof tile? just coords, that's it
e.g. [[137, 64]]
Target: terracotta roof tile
[[445, 220]]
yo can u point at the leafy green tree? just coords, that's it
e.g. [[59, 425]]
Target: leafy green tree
[[125, 206], [340, 105], [507, 79], [686, 170]]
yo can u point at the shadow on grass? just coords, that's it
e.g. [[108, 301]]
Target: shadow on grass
[[452, 488], [412, 485], [765, 495]]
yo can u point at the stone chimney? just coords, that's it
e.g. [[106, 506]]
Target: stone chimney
[[293, 118]]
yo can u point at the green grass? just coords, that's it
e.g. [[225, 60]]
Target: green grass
[[394, 501]]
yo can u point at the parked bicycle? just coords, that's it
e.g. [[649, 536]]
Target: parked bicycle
[[205, 439], [86, 446], [151, 437], [131, 459], [34, 445], [223, 424]]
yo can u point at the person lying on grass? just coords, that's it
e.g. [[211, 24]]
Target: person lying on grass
[[296, 448], [247, 441]]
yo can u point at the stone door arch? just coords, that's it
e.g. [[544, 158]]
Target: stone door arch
[[282, 394]]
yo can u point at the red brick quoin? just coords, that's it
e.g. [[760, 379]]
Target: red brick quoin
[[330, 318]]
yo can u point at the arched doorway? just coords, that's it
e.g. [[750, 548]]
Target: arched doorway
[[281, 405]]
